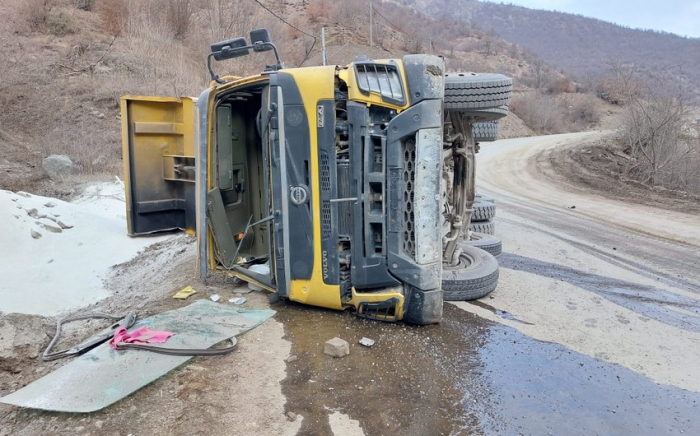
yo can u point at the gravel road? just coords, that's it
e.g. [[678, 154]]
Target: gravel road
[[612, 280]]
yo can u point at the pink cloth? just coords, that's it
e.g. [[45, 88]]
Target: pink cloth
[[142, 335]]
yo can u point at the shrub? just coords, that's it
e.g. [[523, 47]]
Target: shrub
[[84, 5], [114, 14], [35, 13], [60, 24]]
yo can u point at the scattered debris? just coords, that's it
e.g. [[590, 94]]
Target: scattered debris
[[291, 359], [198, 327], [63, 225], [367, 342], [184, 293], [50, 228], [337, 347], [120, 321], [291, 416], [215, 298], [238, 300]]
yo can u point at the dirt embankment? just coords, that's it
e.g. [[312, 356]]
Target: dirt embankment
[[597, 164]]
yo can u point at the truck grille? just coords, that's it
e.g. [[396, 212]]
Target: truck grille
[[409, 176], [325, 195], [344, 207]]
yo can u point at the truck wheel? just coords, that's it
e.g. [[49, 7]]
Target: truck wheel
[[474, 277], [483, 211], [485, 132], [485, 115], [469, 91], [484, 198], [487, 227], [488, 243]]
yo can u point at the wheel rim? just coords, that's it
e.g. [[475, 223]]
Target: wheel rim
[[466, 260]]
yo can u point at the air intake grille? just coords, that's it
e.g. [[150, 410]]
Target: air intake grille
[[345, 207], [325, 176], [409, 175]]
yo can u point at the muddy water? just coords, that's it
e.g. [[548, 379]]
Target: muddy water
[[651, 301], [467, 376]]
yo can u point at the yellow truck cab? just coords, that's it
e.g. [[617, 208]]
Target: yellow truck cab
[[322, 184]]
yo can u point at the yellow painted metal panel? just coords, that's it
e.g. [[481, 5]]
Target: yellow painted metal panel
[[373, 98], [315, 84], [154, 127]]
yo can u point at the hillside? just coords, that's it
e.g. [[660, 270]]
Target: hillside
[[576, 44], [66, 63]]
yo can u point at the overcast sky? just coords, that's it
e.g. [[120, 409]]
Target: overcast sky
[[681, 17]]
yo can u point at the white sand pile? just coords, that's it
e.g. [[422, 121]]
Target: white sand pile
[[54, 255]]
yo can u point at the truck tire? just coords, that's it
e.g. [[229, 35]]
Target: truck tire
[[474, 277], [485, 132], [485, 115], [469, 91], [487, 227], [488, 243], [484, 198], [483, 211]]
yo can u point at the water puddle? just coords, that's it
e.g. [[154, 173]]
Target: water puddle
[[466, 376], [502, 313], [650, 301]]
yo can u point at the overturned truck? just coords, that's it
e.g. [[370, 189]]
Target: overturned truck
[[335, 186]]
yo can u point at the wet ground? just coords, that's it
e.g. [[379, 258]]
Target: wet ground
[[467, 376]]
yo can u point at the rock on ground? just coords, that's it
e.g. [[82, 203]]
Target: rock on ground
[[337, 347], [58, 166], [22, 337]]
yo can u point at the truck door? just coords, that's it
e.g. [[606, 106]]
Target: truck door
[[158, 145]]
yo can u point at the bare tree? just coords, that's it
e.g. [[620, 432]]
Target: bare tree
[[539, 72], [653, 129]]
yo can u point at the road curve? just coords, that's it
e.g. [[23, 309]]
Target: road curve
[[615, 281]]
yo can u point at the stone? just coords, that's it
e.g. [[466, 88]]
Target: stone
[[63, 225], [22, 337], [292, 359], [58, 166], [337, 347], [52, 229], [291, 416], [35, 234], [100, 161], [99, 423], [33, 213]]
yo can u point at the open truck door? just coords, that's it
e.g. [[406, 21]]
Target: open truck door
[[158, 140]]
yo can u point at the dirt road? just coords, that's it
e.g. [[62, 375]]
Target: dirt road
[[615, 281], [593, 329]]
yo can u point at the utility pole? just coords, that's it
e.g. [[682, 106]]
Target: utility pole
[[323, 46], [371, 39]]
